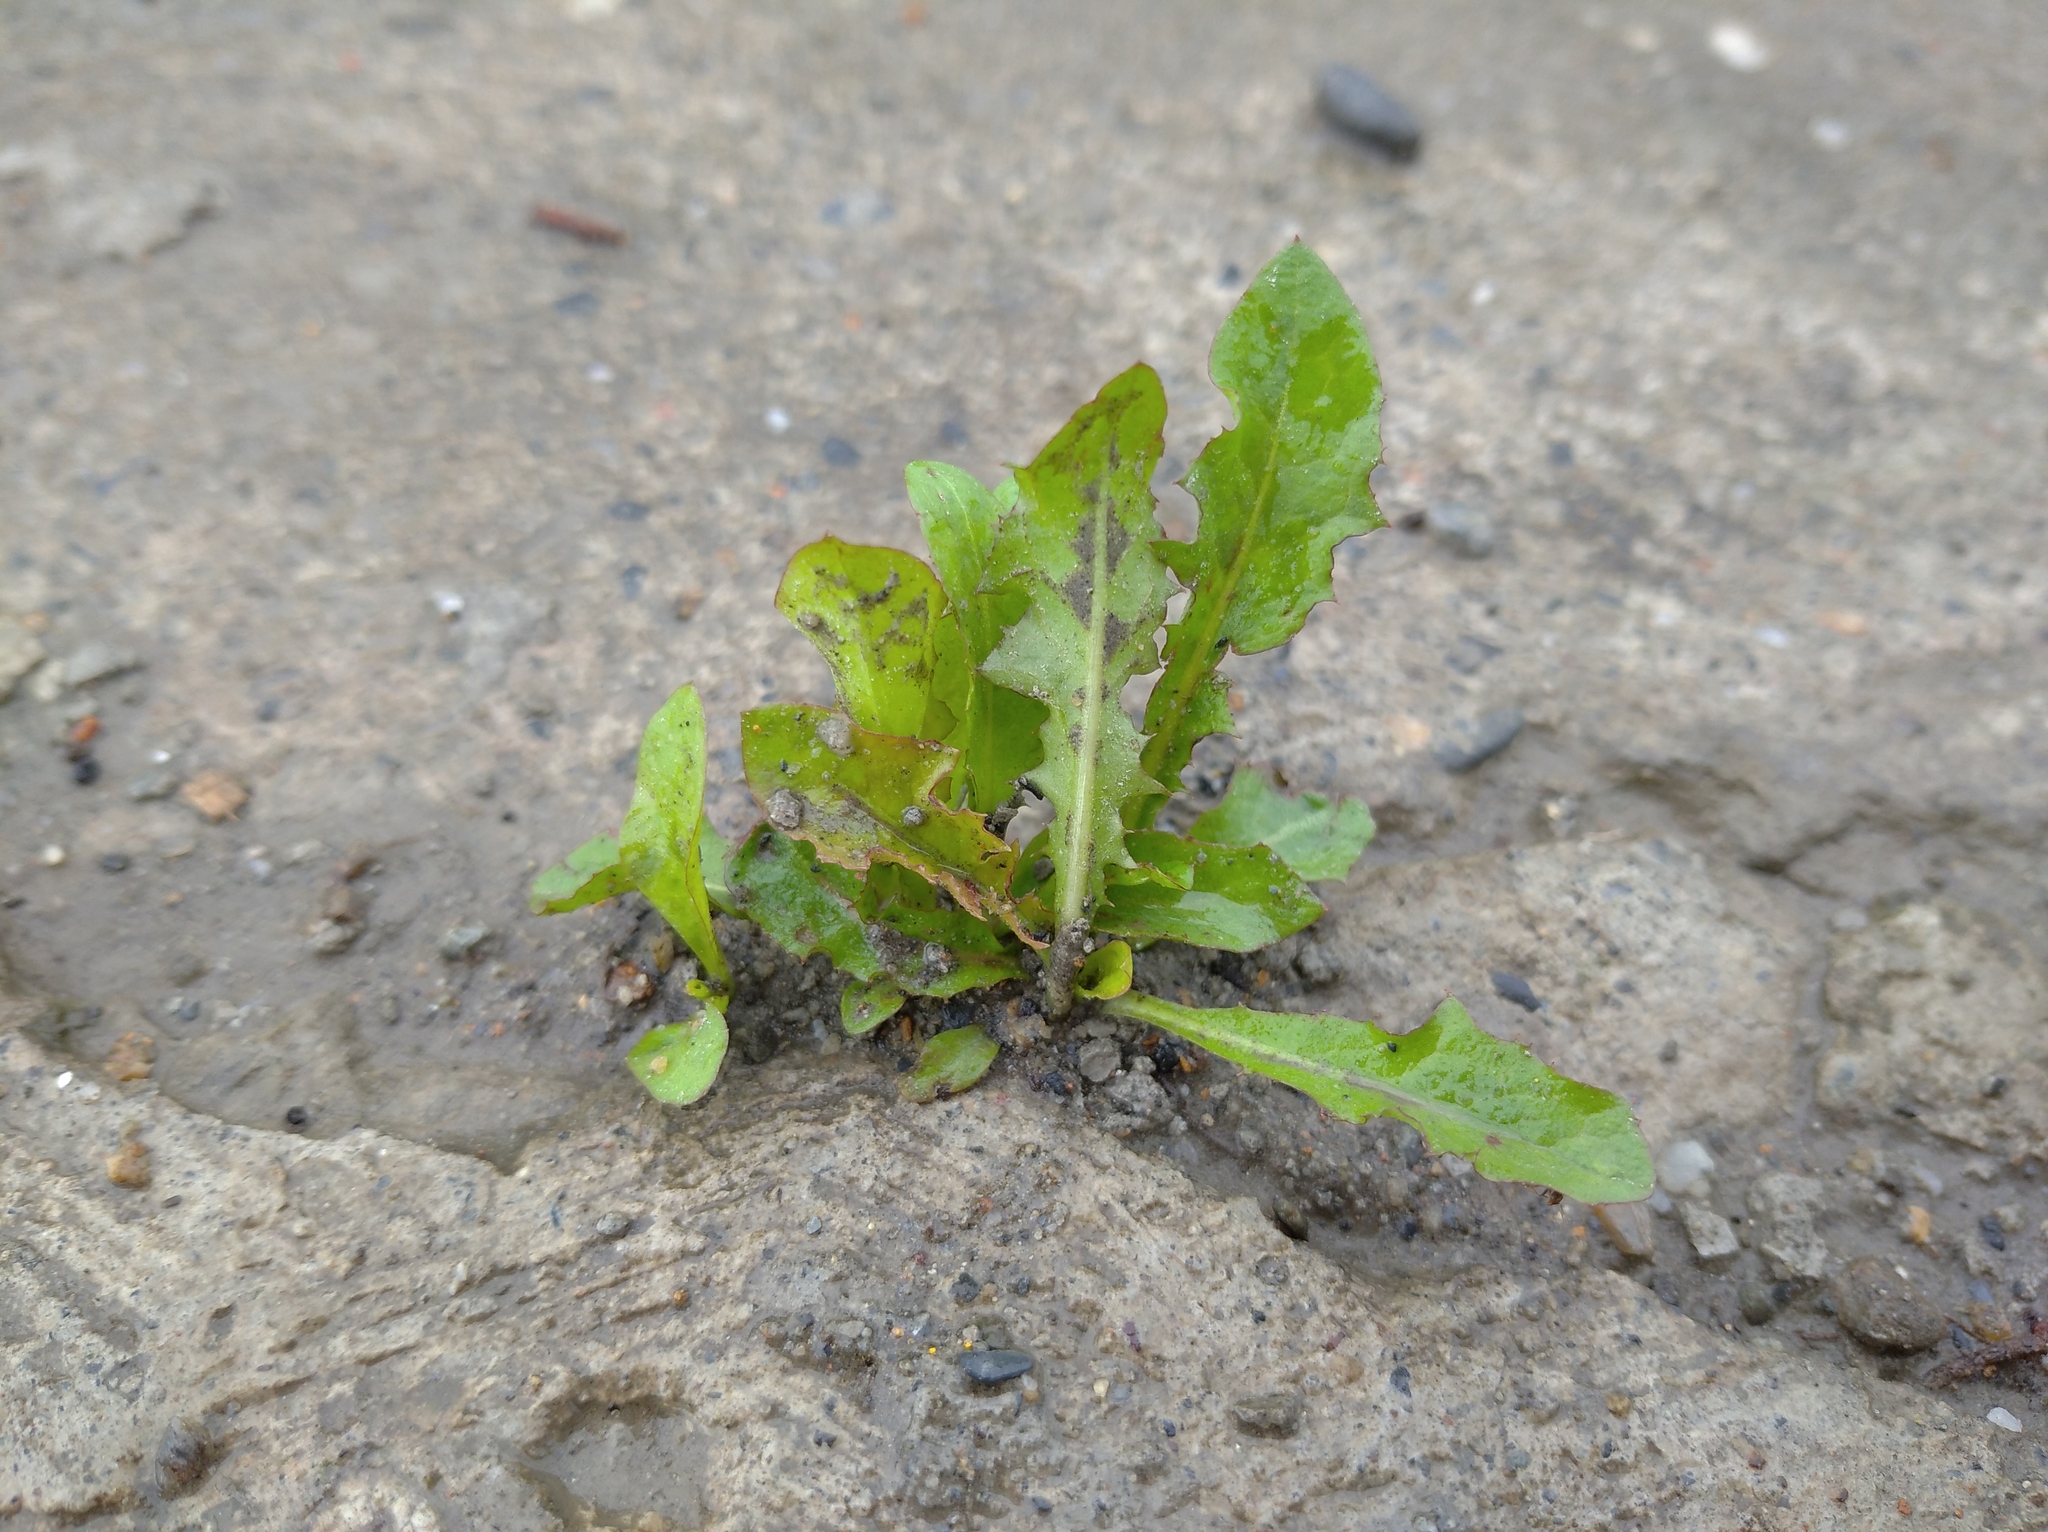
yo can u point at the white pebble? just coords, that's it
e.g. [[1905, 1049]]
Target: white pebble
[[2004, 1419], [1683, 1168], [1830, 133], [1777, 638], [448, 604], [64, 1080], [597, 372], [52, 856], [776, 420], [1738, 47]]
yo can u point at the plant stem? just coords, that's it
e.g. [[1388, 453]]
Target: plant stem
[[1062, 963]]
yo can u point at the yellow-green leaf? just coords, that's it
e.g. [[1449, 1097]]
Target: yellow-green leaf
[[884, 625], [1238, 898], [677, 1064], [1463, 1089], [590, 873], [659, 842], [1105, 972]]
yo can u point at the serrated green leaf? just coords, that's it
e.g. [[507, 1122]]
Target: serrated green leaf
[[1238, 898], [678, 1064], [1105, 972], [998, 737], [1080, 542], [864, 1007], [883, 623], [659, 842], [1464, 1090], [860, 797], [951, 1062], [1278, 490], [1316, 836], [587, 875]]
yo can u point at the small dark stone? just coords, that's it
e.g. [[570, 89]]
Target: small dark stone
[[1495, 731], [1169, 1428], [1355, 102], [1561, 454], [1994, 1234], [1041, 1505], [1408, 1228], [953, 433], [1668, 1054], [85, 772], [1402, 1380], [632, 580], [296, 1117], [1883, 1310], [1290, 1219], [627, 510], [613, 1226], [1514, 988], [1022, 1287], [182, 1459], [966, 1288], [115, 861], [838, 452], [1258, 1316], [578, 305], [1269, 1415], [1754, 1299], [988, 1367]]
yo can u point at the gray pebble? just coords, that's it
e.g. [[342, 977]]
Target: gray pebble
[[1631, 1228], [462, 942], [1356, 103], [182, 1459], [115, 861], [97, 660], [1464, 529], [152, 785], [1494, 732], [814, 1225], [994, 1366], [1754, 1299], [1882, 1309], [613, 1226], [1100, 1059], [1270, 1415], [966, 1288]]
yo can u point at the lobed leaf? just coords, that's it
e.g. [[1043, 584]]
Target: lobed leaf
[[951, 1062], [1318, 837], [589, 874], [659, 843], [1278, 490], [1079, 542], [860, 798], [678, 1064], [1463, 1089], [998, 736], [1238, 898], [882, 621]]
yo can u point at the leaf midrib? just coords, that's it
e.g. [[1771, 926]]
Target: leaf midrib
[[1079, 865]]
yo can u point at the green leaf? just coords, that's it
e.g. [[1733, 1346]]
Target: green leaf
[[714, 854], [882, 622], [1278, 490], [590, 873], [1315, 836], [659, 842], [1080, 541], [951, 1062], [677, 1064], [1238, 898], [1105, 973], [1465, 1090], [864, 1007], [860, 798], [998, 737], [807, 906]]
